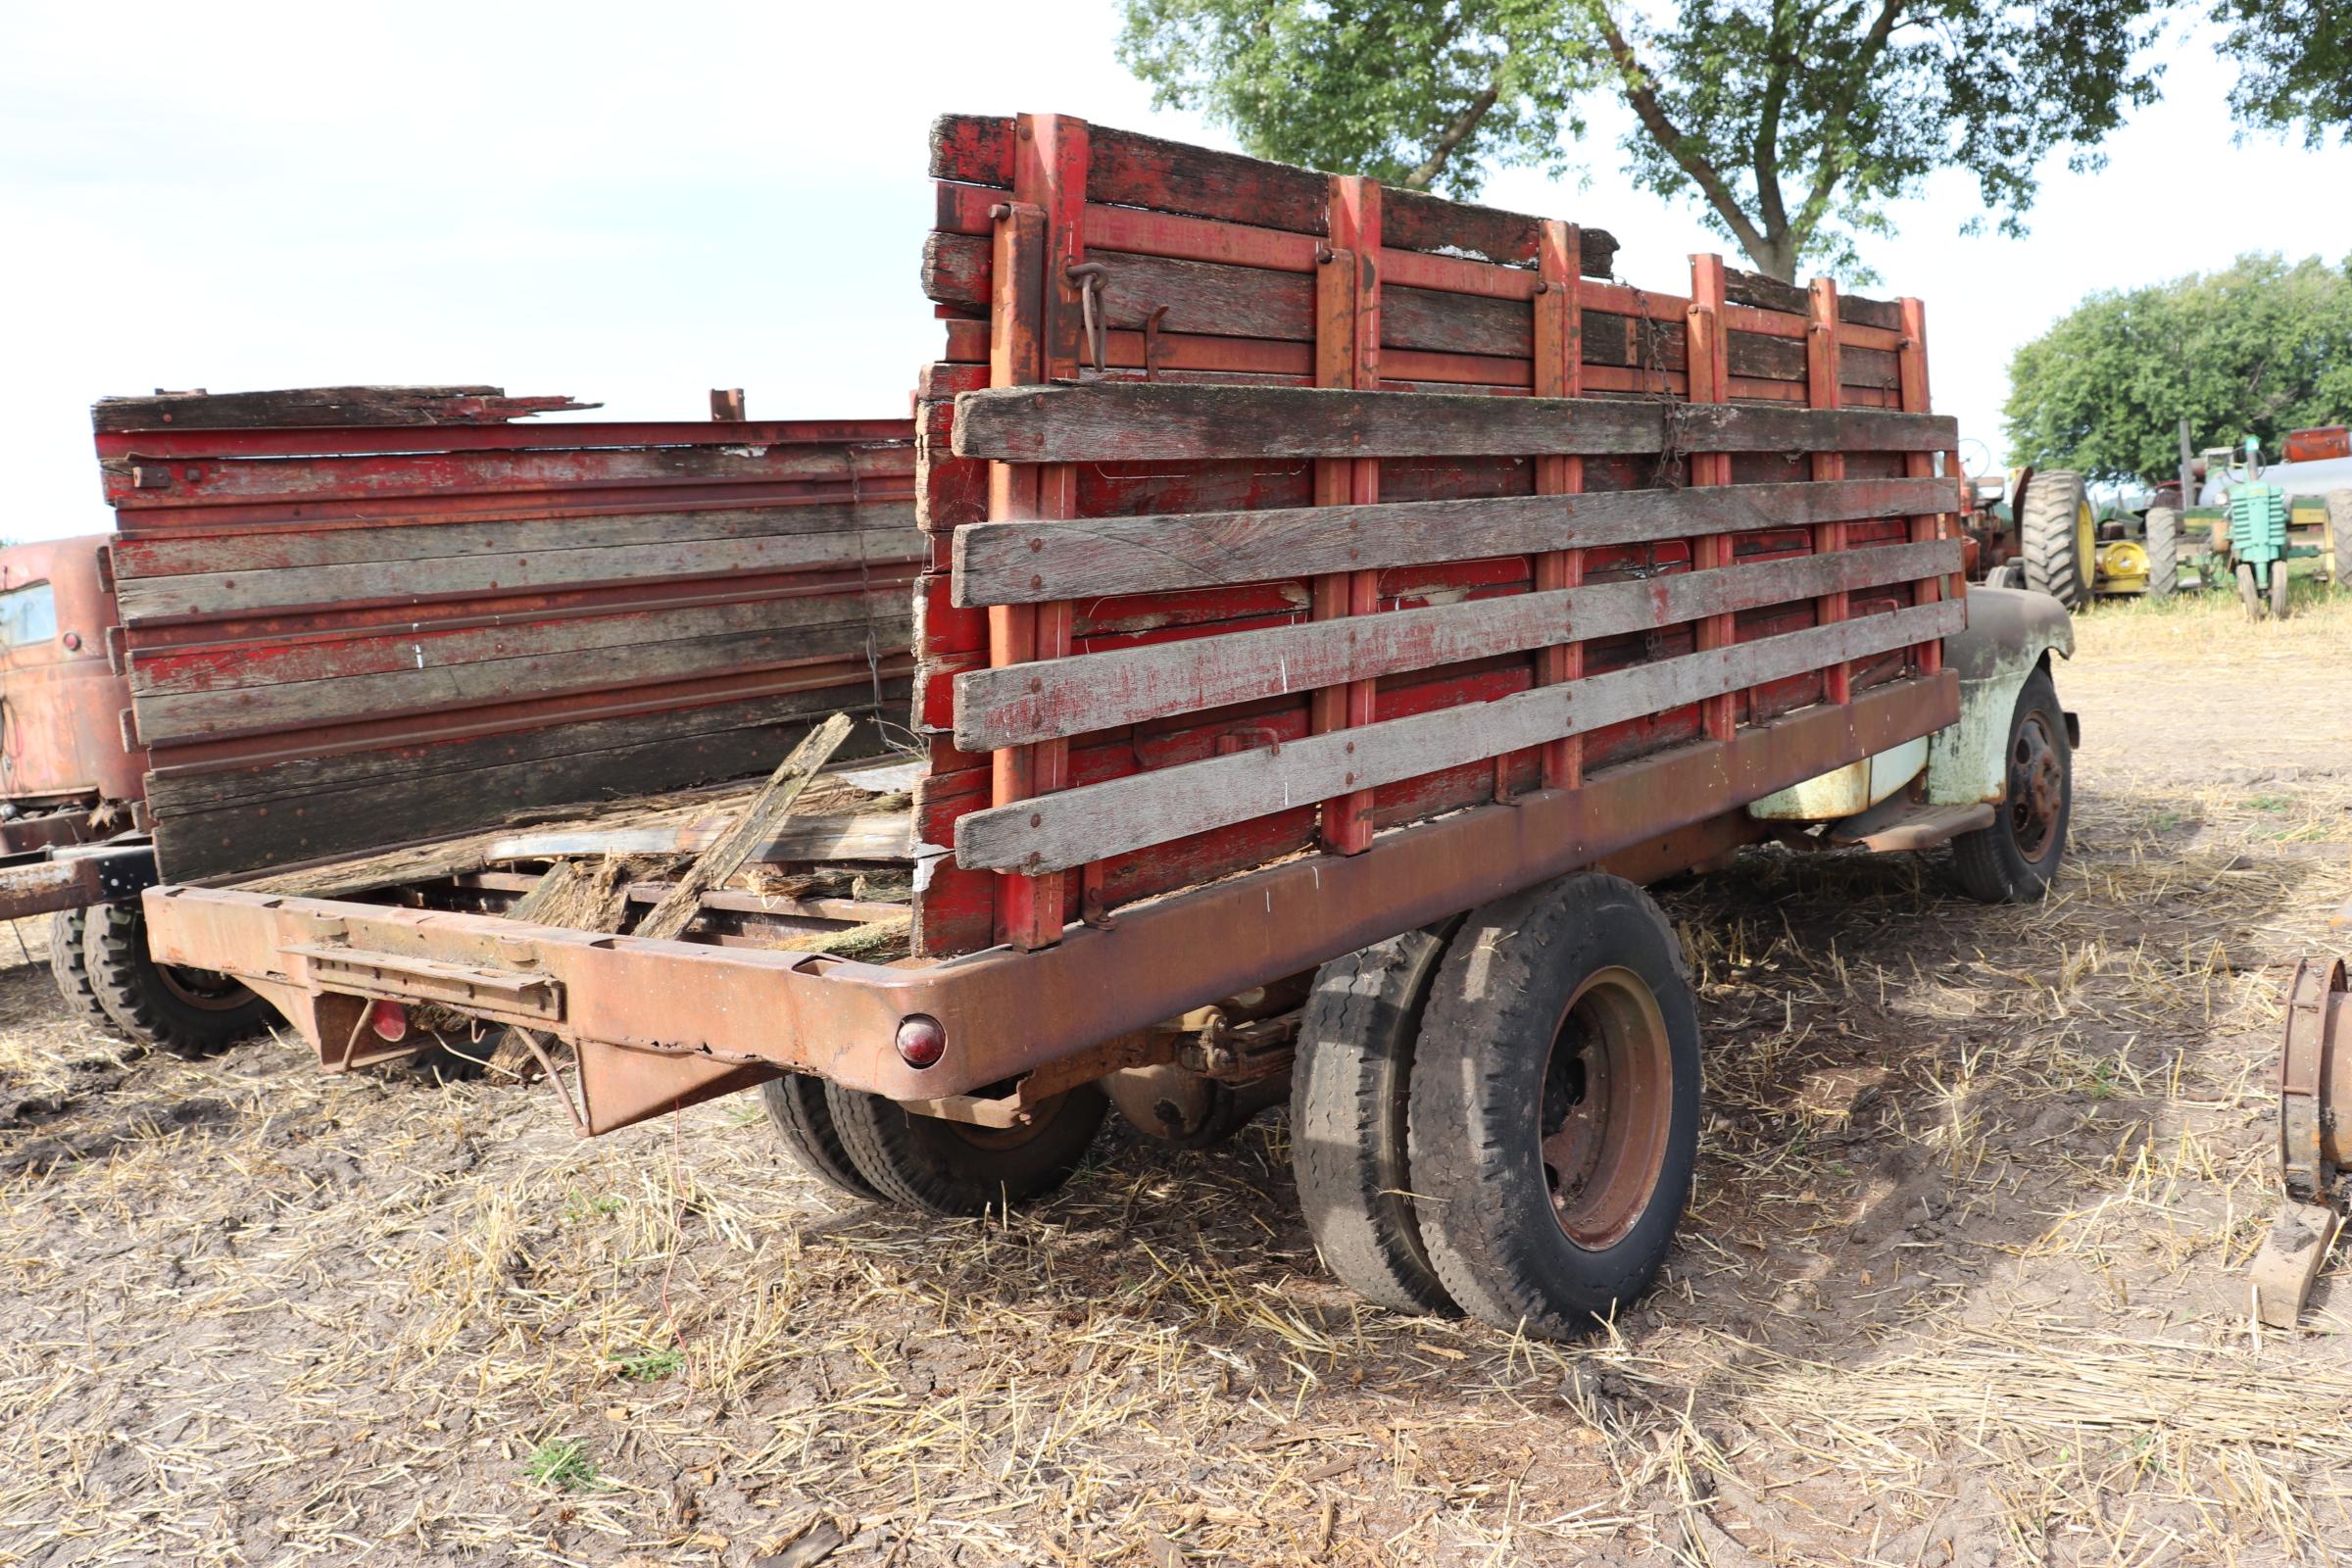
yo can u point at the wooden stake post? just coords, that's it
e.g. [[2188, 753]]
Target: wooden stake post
[[1035, 337], [1347, 355]]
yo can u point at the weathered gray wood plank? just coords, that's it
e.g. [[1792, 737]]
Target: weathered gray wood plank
[[1018, 704], [1053, 832], [1123, 421], [280, 546], [498, 665], [207, 594], [1033, 563]]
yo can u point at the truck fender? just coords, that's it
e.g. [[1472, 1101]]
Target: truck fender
[[2011, 633]]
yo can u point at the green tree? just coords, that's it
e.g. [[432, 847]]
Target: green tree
[[1793, 124], [2259, 348], [2296, 59]]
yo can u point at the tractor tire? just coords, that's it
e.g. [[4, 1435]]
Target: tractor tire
[[1554, 1126], [2054, 534], [2339, 537], [188, 1013], [2281, 590], [2014, 860], [1350, 1088], [2163, 552], [71, 969], [798, 1110], [2249, 591], [951, 1168]]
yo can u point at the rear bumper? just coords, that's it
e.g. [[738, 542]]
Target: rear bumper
[[664, 1023]]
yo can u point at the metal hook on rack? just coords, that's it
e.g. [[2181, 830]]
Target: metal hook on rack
[[1086, 277]]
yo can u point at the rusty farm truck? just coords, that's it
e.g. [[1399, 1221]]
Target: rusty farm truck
[[74, 844], [1327, 605]]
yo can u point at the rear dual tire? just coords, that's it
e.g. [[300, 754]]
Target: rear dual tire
[[1546, 1076], [99, 960], [875, 1149]]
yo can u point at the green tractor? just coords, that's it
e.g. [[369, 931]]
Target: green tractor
[[2251, 542]]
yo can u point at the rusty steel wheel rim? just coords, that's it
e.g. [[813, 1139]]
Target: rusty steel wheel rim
[[1608, 1108], [2036, 787], [208, 989]]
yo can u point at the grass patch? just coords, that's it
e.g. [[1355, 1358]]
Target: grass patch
[[651, 1366], [561, 1465]]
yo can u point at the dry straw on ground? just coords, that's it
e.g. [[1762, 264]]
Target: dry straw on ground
[[1962, 1284]]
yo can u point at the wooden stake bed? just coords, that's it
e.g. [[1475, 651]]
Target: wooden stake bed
[[1294, 562], [1357, 508]]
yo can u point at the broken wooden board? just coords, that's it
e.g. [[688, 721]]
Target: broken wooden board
[[324, 405], [764, 814]]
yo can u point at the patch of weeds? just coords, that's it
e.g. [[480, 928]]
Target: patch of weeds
[[2269, 802], [651, 1366], [563, 1465], [582, 1207]]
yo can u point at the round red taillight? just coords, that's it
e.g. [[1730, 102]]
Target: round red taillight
[[921, 1041], [389, 1020]]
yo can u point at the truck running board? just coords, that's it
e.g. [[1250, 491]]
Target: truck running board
[[1899, 824]]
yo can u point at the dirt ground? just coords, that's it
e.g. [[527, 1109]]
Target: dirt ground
[[1963, 1284]]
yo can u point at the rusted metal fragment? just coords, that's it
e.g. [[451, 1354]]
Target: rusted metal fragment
[[2289, 1261]]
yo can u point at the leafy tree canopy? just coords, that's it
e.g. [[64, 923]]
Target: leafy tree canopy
[[2296, 59], [2259, 348], [1792, 122]]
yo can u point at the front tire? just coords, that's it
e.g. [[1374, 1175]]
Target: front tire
[[2014, 860], [1554, 1106], [952, 1168], [186, 1012], [2280, 589]]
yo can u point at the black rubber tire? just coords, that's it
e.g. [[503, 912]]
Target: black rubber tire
[[945, 1167], [1479, 1101], [148, 1004], [797, 1108], [71, 969], [2249, 592], [2163, 552], [1349, 1089], [2049, 536], [2281, 590], [1992, 864], [2340, 536]]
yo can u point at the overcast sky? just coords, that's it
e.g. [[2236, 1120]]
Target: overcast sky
[[635, 204]]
